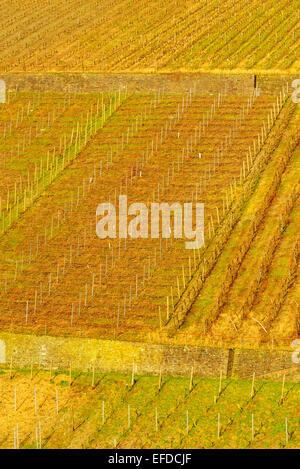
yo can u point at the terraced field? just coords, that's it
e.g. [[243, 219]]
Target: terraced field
[[41, 134], [57, 410], [58, 277], [110, 36], [252, 289]]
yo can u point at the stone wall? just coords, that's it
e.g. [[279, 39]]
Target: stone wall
[[272, 84], [202, 83], [171, 83], [109, 355], [118, 356], [246, 362]]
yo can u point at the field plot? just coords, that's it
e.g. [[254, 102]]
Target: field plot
[[41, 134], [61, 410], [252, 288], [58, 277], [111, 36]]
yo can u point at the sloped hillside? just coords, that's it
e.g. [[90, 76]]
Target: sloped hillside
[[110, 36]]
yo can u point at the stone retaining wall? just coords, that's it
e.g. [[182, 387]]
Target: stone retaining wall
[[202, 83], [119, 356]]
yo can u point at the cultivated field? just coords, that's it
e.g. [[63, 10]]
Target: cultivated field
[[36, 124], [58, 409], [154, 35], [58, 276]]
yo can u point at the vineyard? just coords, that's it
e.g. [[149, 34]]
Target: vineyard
[[58, 276], [164, 111], [181, 35], [56, 409]]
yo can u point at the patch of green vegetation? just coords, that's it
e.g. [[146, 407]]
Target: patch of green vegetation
[[171, 412], [64, 384]]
